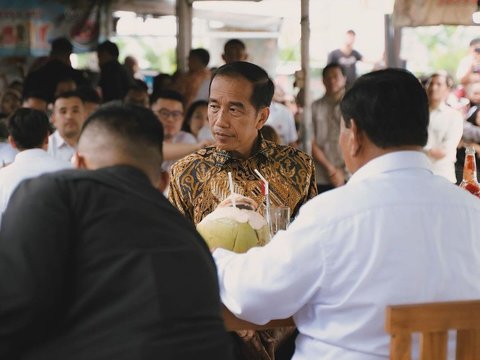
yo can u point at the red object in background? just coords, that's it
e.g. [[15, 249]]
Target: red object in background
[[470, 182]]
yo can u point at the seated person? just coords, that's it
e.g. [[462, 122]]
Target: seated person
[[117, 273]]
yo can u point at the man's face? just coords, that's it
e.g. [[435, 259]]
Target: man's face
[[437, 89], [68, 116], [233, 119], [170, 114], [334, 80]]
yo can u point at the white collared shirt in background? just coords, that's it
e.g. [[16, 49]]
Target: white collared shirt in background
[[28, 164], [7, 153], [394, 234], [281, 119], [58, 148], [445, 130]]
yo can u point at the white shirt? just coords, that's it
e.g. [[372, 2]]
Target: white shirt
[[28, 164], [59, 148], [182, 137], [445, 131], [393, 234], [7, 153], [281, 119]]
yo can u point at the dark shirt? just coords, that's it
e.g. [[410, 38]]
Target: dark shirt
[[98, 265], [44, 80], [114, 81], [348, 62]]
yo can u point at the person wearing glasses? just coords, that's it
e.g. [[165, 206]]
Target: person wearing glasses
[[168, 107]]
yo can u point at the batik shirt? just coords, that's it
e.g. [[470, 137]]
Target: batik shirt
[[199, 181]]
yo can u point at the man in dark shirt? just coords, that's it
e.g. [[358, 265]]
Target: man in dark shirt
[[114, 79], [57, 67], [347, 57], [98, 265]]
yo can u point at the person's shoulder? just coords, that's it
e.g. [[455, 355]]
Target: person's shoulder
[[289, 152]]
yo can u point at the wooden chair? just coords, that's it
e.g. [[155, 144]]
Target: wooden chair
[[432, 321]]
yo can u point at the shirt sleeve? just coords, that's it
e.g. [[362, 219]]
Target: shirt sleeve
[[286, 272], [34, 248], [471, 132], [175, 195], [453, 135]]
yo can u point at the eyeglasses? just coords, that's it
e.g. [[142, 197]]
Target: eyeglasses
[[165, 114]]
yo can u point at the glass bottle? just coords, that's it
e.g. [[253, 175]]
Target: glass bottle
[[470, 182]]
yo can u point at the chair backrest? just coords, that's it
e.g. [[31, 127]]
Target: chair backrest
[[433, 321]]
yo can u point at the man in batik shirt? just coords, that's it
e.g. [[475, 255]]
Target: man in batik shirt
[[240, 96]]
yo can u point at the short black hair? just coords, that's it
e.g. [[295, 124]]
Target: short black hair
[[88, 94], [332, 65], [61, 46], [234, 42], [202, 54], [263, 86], [28, 128], [138, 129], [109, 47], [35, 93], [68, 94], [167, 94], [390, 106]]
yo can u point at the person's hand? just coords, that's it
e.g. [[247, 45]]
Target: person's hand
[[436, 153], [337, 177]]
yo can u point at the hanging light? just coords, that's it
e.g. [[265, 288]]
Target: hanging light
[[476, 14]]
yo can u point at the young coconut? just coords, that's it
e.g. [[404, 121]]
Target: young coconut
[[235, 228]]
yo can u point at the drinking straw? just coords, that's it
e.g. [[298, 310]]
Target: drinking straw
[[267, 197], [230, 182]]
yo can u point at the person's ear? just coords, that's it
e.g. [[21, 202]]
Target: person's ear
[[12, 142], [357, 138], [262, 117], [79, 161]]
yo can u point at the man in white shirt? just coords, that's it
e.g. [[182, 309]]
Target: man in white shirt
[[445, 127], [28, 129], [393, 234], [67, 117]]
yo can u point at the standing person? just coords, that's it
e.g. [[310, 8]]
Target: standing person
[[117, 272], [240, 96], [234, 50], [393, 234], [468, 70], [56, 67], [193, 85], [445, 127], [330, 168], [347, 56], [114, 79], [28, 133], [67, 117]]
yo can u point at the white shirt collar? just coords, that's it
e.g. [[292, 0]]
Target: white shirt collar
[[398, 160], [59, 140], [29, 154]]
